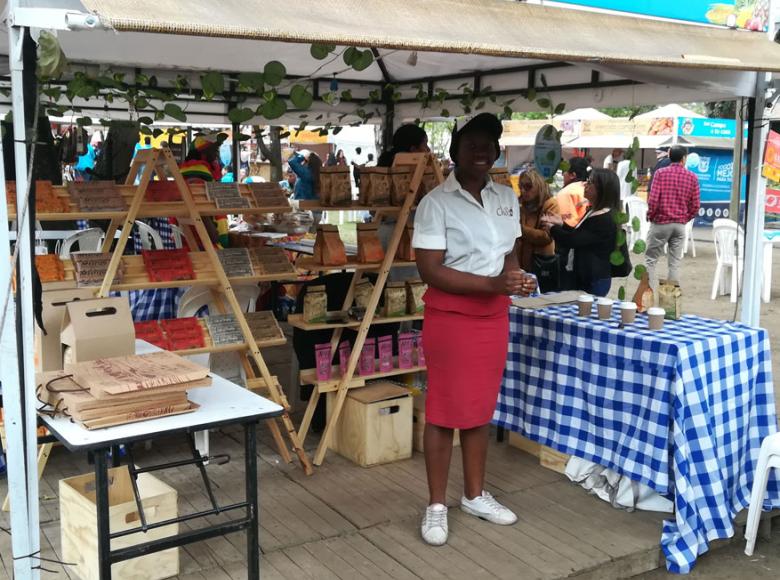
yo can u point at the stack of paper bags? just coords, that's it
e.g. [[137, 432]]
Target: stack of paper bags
[[114, 391]]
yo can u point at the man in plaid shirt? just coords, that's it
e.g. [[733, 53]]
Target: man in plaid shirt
[[673, 202]]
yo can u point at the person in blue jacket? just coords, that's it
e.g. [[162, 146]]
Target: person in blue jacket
[[306, 166]]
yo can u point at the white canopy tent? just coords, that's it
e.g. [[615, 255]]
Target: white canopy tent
[[449, 44], [671, 110], [583, 114]]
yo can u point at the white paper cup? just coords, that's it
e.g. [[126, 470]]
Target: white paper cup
[[627, 312], [604, 306], [655, 318], [585, 304]]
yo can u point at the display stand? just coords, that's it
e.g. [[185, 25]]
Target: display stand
[[208, 269], [421, 162]]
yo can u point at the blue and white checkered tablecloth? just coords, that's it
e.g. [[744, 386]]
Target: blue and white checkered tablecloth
[[683, 409]]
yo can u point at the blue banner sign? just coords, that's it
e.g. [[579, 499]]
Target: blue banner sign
[[747, 14], [714, 128]]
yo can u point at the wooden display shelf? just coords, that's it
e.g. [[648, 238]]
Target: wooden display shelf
[[313, 205], [151, 209], [308, 264], [136, 278], [296, 321], [309, 377], [235, 347]]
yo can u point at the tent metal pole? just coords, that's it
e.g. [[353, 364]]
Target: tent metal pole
[[754, 237], [21, 413], [236, 152], [758, 126], [739, 145]]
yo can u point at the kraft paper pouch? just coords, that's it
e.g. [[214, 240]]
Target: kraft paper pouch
[[670, 298]]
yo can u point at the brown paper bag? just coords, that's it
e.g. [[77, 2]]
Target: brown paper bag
[[670, 298], [379, 193], [643, 297], [328, 247], [401, 183], [365, 185], [368, 245], [405, 250]]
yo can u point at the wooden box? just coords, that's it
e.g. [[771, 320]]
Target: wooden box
[[548, 457], [375, 425], [418, 420], [78, 524]]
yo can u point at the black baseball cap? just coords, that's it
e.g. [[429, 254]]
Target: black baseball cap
[[481, 123]]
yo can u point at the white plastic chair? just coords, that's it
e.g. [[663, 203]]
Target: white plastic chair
[[150, 238], [729, 253], [89, 240], [222, 364], [177, 234], [637, 207], [768, 459], [689, 239]]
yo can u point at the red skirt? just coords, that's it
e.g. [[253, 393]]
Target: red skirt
[[465, 340]]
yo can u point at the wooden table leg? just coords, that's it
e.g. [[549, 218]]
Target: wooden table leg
[[252, 532], [103, 522]]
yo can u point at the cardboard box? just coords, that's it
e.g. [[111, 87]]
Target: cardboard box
[[48, 348], [548, 457], [78, 524], [98, 328], [418, 420], [375, 425]]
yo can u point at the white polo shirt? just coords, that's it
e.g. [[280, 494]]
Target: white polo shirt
[[476, 237]]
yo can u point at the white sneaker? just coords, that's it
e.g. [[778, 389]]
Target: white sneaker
[[487, 508], [434, 525]]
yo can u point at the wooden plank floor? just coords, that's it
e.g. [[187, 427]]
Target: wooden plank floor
[[349, 522]]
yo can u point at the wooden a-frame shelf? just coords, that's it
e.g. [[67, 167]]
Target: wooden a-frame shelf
[[160, 164], [136, 278], [342, 382], [296, 321], [307, 264], [309, 377], [150, 209]]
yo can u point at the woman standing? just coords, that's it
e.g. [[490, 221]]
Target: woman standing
[[407, 139], [593, 239], [535, 202], [306, 166], [465, 233]]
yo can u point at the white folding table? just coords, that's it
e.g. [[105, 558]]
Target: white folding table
[[221, 404]]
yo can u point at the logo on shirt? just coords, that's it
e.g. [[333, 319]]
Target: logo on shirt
[[505, 211]]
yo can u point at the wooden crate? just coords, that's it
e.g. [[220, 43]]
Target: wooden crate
[[375, 425], [548, 457], [78, 525], [418, 420]]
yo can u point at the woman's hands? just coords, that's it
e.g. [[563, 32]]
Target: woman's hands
[[549, 220], [513, 283]]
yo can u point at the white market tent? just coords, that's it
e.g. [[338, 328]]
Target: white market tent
[[673, 110], [501, 44], [583, 114]]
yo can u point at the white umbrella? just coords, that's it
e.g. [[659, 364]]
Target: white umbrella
[[673, 110]]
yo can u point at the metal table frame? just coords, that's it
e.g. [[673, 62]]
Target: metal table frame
[[220, 405]]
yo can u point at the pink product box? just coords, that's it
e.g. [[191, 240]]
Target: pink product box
[[323, 355], [367, 356], [385, 354], [420, 352], [405, 350], [345, 350]]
